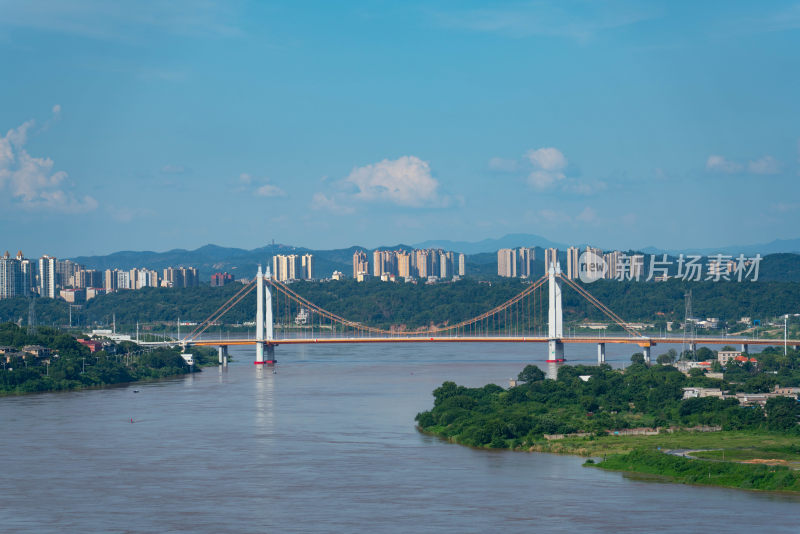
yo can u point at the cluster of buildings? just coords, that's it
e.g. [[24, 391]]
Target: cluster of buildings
[[289, 267], [744, 399], [516, 263], [52, 278], [519, 263], [425, 264]]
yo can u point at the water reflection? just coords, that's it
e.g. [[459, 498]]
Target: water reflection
[[265, 378]]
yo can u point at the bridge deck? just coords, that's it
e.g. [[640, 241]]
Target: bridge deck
[[642, 342]]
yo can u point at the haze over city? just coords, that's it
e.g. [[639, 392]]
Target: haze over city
[[624, 125]]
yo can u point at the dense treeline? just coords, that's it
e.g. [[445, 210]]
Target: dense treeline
[[76, 367], [418, 305], [641, 396]]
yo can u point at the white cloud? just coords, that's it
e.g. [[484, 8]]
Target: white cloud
[[269, 190], [405, 181], [258, 186], [548, 164], [503, 165], [764, 165], [322, 202], [31, 182], [720, 164], [57, 109], [549, 159], [544, 179]]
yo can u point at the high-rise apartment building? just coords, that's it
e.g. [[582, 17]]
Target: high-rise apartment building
[[435, 260], [10, 277], [110, 280], [446, 261], [572, 262], [65, 273], [124, 280], [404, 264], [550, 258], [47, 277], [462, 264], [507, 262], [423, 263], [221, 279], [308, 267], [525, 257], [87, 278], [28, 272], [292, 267], [360, 264]]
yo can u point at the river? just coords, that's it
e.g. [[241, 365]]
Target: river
[[325, 444]]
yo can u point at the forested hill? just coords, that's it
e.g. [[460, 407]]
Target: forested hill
[[243, 263], [414, 305]]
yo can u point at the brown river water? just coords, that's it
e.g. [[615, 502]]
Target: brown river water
[[325, 444]]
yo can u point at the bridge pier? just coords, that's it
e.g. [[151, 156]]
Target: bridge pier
[[744, 348], [646, 352], [601, 353], [555, 351], [222, 353]]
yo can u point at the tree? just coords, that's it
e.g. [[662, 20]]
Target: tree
[[638, 357], [782, 413], [531, 373], [705, 354], [667, 357]]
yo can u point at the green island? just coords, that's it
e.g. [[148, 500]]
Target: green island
[[637, 420], [53, 360]]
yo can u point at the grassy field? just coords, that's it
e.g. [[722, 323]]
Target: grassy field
[[738, 459], [756, 444], [711, 473]]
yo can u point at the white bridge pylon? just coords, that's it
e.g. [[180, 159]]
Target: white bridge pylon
[[264, 327], [555, 317]]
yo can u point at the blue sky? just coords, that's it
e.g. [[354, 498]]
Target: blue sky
[[326, 124]]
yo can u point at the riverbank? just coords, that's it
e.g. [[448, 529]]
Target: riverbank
[[683, 470], [763, 461], [624, 417]]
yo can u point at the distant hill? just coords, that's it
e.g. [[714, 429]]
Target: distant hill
[[492, 245], [778, 246], [781, 259]]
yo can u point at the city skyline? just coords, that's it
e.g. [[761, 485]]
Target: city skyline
[[605, 123]]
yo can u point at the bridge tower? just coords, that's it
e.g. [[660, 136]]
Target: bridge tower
[[259, 317], [264, 327], [270, 335], [555, 325]]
